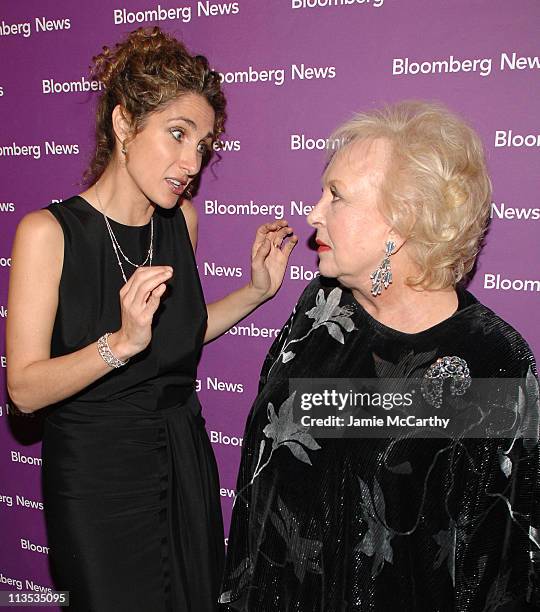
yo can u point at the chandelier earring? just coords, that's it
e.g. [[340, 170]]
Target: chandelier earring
[[382, 277]]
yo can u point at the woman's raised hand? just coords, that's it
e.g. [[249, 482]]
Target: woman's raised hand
[[139, 300], [269, 256]]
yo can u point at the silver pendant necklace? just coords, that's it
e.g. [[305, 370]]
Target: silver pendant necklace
[[116, 244]]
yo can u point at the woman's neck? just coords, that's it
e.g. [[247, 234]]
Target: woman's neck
[[116, 194], [408, 310]]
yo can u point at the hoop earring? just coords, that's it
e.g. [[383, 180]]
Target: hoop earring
[[382, 277]]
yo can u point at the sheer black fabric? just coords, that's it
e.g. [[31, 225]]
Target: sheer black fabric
[[409, 524], [130, 481]]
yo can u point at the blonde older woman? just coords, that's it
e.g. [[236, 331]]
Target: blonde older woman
[[395, 522]]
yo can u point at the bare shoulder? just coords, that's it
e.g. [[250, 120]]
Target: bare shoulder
[[39, 237], [190, 214], [40, 223], [34, 278]]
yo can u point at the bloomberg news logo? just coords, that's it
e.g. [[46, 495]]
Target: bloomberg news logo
[[405, 66], [501, 283], [36, 151], [310, 4], [508, 139], [514, 213], [184, 14], [50, 86], [41, 24]]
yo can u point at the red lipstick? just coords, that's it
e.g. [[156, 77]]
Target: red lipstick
[[322, 246]]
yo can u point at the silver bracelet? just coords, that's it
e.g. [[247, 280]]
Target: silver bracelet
[[105, 351]]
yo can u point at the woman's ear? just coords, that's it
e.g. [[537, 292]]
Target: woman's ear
[[121, 123]]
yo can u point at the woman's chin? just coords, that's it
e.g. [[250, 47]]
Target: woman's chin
[[166, 202], [326, 270]]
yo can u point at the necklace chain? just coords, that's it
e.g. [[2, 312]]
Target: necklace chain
[[116, 244]]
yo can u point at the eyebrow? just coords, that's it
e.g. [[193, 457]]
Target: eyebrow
[[324, 175], [339, 186], [334, 180], [191, 123]]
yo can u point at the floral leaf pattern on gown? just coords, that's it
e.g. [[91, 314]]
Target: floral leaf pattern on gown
[[446, 539], [242, 573], [302, 552], [505, 462], [498, 593], [326, 313], [376, 542], [330, 314], [530, 419], [408, 365], [281, 428], [283, 431], [404, 523]]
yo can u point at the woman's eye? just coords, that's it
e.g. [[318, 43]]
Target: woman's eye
[[203, 148], [335, 195], [177, 134]]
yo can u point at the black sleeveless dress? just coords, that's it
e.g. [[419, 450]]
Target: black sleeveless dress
[[130, 481]]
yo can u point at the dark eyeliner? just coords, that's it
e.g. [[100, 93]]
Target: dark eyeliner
[[175, 129], [335, 194]]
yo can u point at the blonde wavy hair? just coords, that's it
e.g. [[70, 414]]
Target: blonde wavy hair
[[436, 193]]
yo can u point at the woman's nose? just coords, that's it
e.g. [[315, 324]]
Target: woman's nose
[[190, 161], [315, 217]]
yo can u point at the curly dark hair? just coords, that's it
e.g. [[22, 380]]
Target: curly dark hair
[[142, 73]]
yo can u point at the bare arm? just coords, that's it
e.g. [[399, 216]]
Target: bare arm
[[34, 380], [225, 313], [268, 263]]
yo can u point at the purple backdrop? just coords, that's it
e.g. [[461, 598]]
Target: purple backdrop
[[293, 70]]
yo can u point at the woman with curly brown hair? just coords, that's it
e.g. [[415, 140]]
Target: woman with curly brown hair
[[107, 319]]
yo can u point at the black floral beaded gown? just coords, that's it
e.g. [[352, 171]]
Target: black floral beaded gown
[[130, 480], [387, 524]]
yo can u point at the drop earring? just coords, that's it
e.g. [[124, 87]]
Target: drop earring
[[382, 277], [124, 150]]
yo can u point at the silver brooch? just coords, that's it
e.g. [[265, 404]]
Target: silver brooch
[[454, 368]]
